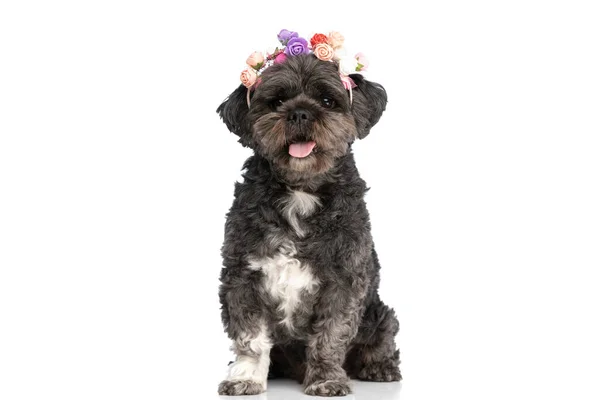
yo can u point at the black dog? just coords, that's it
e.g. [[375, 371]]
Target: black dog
[[300, 278]]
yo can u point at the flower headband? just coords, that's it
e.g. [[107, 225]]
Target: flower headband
[[324, 47]]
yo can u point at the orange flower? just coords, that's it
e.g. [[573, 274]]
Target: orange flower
[[317, 38]]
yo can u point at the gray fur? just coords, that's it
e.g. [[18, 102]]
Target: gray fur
[[338, 327]]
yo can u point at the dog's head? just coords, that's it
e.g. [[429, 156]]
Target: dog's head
[[300, 117]]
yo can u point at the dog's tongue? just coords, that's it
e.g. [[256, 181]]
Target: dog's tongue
[[302, 149]]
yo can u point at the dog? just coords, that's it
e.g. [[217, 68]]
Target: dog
[[300, 277]]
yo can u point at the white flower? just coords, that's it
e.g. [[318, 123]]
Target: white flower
[[339, 53], [275, 46], [348, 65]]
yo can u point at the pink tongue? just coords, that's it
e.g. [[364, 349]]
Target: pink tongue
[[301, 150]]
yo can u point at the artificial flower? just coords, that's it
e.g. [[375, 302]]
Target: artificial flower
[[340, 53], [324, 47], [284, 36], [324, 52], [274, 50], [296, 46], [248, 77], [335, 39], [281, 57], [256, 60], [348, 65], [347, 82], [316, 39], [363, 62]]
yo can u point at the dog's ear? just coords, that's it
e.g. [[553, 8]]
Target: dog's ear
[[234, 113], [369, 100]]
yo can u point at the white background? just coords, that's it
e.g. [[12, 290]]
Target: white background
[[116, 174]]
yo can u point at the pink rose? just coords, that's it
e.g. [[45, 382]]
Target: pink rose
[[363, 62], [324, 52], [248, 77], [281, 57], [256, 60], [336, 39]]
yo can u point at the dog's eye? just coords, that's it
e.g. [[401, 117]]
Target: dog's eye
[[327, 102], [276, 103]]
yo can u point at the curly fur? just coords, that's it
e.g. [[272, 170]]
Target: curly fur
[[300, 277]]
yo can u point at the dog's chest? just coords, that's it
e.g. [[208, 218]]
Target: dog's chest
[[289, 282], [297, 206]]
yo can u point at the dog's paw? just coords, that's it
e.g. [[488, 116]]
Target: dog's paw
[[380, 372], [240, 388], [328, 388]]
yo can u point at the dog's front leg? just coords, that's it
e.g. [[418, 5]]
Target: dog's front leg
[[251, 339], [336, 324]]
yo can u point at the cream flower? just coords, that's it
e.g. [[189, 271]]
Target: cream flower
[[256, 60], [336, 39]]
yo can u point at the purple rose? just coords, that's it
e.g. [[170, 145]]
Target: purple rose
[[284, 36], [296, 46]]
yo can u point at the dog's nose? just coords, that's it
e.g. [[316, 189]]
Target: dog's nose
[[299, 116]]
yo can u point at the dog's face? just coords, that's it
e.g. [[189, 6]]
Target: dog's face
[[300, 116]]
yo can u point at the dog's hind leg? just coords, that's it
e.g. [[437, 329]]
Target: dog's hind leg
[[373, 355]]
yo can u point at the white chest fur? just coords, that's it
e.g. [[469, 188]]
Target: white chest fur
[[298, 205], [286, 280]]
